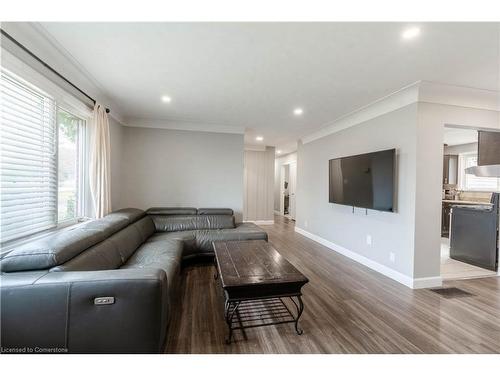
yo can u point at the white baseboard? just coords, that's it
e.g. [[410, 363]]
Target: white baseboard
[[425, 282], [260, 222]]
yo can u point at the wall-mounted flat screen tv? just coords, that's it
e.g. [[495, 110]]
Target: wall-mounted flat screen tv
[[365, 180]]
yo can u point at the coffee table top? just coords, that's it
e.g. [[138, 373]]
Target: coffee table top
[[243, 264]]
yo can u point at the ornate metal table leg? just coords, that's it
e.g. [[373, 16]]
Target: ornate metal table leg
[[300, 309], [228, 314]]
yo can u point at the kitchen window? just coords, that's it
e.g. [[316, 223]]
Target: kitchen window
[[474, 183], [41, 163]]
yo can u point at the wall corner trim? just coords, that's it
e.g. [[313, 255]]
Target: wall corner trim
[[427, 282]]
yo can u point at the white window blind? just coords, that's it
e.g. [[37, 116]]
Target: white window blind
[[28, 151], [472, 182]]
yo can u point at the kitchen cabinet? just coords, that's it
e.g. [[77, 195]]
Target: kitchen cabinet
[[445, 219], [450, 169], [488, 148]]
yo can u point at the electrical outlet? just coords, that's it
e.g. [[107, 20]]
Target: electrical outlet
[[369, 239], [392, 257]]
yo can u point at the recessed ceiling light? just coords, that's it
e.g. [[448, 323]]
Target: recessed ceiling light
[[278, 151], [166, 99], [259, 138], [411, 33], [298, 111]]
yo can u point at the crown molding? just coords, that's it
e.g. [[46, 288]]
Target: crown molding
[[467, 97], [389, 103], [255, 147], [286, 148], [37, 39], [288, 158], [418, 92], [182, 125]]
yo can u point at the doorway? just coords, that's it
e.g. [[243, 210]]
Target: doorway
[[466, 200], [288, 184]]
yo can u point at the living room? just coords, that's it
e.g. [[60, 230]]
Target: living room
[[176, 187]]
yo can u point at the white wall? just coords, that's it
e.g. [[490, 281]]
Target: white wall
[[259, 185], [413, 232], [278, 163], [116, 131], [163, 167], [391, 232], [431, 121], [171, 167], [460, 149]]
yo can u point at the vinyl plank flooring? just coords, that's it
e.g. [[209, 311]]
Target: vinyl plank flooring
[[349, 308], [452, 269]]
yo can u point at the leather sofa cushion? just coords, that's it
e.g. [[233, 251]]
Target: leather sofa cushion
[[105, 226], [244, 231], [188, 238], [15, 279], [166, 255], [167, 223], [131, 214], [171, 211], [103, 256], [115, 221], [145, 227], [112, 252], [160, 254], [58, 248], [215, 211], [57, 310]]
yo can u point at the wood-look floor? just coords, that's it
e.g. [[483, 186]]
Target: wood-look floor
[[452, 269], [348, 309]]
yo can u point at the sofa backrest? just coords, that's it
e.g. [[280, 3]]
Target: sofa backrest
[[215, 211], [58, 248], [171, 211], [114, 251], [175, 219], [107, 243]]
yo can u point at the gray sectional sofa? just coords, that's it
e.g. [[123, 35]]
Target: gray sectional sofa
[[108, 285]]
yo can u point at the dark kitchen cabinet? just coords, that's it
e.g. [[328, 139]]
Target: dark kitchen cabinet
[[450, 169], [489, 148], [445, 219]]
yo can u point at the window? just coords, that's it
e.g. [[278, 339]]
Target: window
[[471, 182], [40, 166], [69, 165]]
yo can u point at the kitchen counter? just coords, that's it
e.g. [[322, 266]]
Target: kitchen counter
[[456, 201]]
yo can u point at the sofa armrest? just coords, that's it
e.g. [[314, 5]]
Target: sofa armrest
[[58, 312]]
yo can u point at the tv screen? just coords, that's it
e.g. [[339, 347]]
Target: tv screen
[[365, 180]]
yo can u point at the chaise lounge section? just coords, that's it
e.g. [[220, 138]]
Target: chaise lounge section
[[108, 285]]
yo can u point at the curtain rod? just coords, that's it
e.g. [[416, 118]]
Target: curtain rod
[[47, 66]]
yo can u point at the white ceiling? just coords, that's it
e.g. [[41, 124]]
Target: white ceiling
[[252, 75]]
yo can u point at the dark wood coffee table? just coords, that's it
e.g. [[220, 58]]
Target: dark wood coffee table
[[256, 279]]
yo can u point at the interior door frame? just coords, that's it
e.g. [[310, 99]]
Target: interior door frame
[[282, 189], [292, 203]]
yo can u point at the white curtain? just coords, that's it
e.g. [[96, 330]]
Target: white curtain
[[99, 165]]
